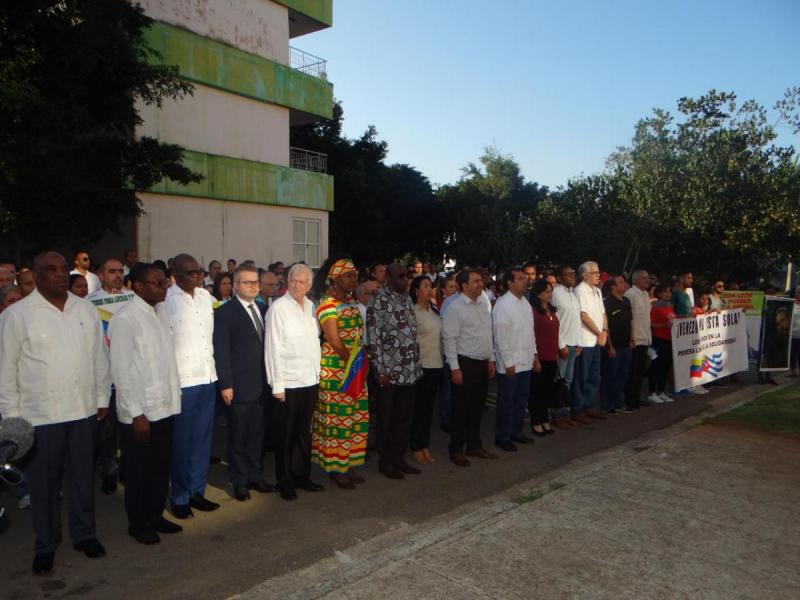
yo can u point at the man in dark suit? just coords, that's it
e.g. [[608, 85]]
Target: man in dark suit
[[239, 356]]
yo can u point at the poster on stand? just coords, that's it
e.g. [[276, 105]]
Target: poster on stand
[[752, 303], [708, 347], [776, 328]]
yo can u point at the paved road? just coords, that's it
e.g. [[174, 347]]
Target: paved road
[[242, 544]]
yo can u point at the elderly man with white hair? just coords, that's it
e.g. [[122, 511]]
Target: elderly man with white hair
[[292, 357], [594, 335]]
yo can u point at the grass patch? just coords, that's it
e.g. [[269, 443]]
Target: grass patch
[[776, 411], [531, 496]]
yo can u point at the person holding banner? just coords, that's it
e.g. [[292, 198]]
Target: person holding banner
[[661, 317], [341, 420]]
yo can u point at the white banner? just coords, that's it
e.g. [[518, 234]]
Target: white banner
[[708, 347]]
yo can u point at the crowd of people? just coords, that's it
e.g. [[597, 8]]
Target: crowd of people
[[121, 371]]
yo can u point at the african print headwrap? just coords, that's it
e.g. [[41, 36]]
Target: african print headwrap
[[340, 267]]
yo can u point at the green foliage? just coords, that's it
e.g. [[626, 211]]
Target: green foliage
[[382, 211], [71, 72]]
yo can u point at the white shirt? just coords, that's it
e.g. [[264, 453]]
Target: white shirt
[[512, 328], [143, 364], [363, 310], [429, 337], [292, 351], [590, 301], [91, 279], [467, 330], [569, 316], [190, 319], [53, 364], [640, 304]]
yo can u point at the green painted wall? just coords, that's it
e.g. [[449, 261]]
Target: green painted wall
[[319, 10], [248, 181], [209, 62]]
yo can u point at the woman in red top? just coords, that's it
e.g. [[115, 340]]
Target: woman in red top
[[543, 382], [661, 316]]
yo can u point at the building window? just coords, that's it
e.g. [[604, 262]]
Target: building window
[[305, 241]]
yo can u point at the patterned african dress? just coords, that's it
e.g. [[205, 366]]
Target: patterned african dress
[[341, 423]]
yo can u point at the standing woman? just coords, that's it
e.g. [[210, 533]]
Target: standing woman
[[545, 327], [429, 336], [341, 421], [223, 289], [661, 317], [445, 288]]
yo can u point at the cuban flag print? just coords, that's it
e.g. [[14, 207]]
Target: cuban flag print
[[708, 364]]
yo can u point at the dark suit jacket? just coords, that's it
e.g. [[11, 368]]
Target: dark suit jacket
[[238, 353]]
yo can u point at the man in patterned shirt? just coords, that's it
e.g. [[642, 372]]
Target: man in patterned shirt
[[395, 358]]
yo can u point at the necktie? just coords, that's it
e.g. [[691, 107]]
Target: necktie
[[259, 326]]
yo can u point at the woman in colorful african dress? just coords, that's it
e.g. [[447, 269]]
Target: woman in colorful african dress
[[341, 420]]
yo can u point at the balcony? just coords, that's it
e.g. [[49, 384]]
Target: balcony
[[308, 64], [307, 160]]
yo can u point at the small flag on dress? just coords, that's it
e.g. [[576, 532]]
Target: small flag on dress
[[355, 372]]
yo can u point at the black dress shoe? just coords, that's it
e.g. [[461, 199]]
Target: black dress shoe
[[310, 486], [202, 504], [43, 563], [541, 433], [91, 548], [550, 431], [406, 468], [288, 495], [182, 511], [164, 526], [144, 536], [391, 472], [109, 485], [507, 446], [240, 493], [522, 439], [261, 486]]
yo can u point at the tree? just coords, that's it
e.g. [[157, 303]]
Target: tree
[[381, 212], [71, 72], [490, 213]]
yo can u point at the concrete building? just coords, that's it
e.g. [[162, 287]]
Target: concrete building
[[260, 199]]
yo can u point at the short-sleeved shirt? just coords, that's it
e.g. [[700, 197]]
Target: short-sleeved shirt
[[591, 302], [620, 316], [681, 303]]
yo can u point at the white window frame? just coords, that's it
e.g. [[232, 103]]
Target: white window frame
[[305, 241]]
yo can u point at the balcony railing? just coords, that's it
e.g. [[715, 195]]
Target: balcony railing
[[308, 63], [308, 160]]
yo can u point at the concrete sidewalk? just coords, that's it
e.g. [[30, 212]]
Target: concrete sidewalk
[[692, 511]]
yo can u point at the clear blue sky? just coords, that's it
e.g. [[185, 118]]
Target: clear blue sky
[[558, 84]]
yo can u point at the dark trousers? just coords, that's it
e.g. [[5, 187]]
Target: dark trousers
[[543, 392], [245, 441], [57, 446], [268, 442], [512, 395], [615, 374], [291, 432], [146, 466], [424, 398], [107, 440], [395, 413], [191, 442], [445, 396], [633, 387], [659, 369], [469, 398]]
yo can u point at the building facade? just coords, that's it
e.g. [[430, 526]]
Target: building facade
[[259, 199]]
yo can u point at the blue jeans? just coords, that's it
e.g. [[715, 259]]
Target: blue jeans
[[566, 366], [512, 397], [191, 443], [615, 375], [587, 379]]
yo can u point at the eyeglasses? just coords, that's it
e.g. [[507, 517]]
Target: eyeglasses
[[84, 259], [249, 283]]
